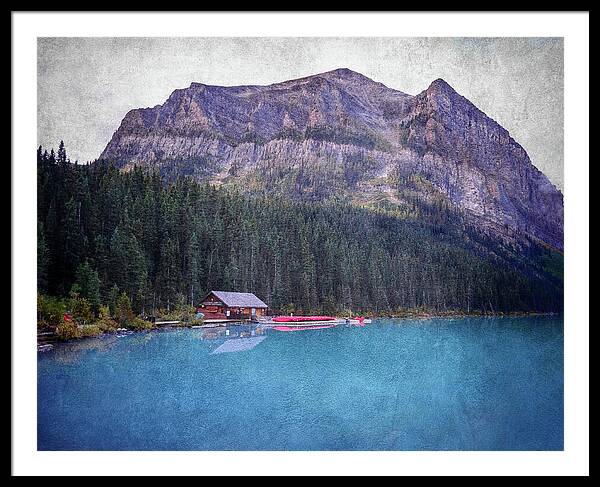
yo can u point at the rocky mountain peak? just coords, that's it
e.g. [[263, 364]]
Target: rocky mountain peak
[[345, 74], [439, 85], [340, 132]]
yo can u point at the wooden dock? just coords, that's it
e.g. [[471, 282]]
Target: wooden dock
[[267, 322]]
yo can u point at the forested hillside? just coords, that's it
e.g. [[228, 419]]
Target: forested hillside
[[167, 243], [341, 134]]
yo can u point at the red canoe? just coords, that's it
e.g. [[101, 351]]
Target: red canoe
[[295, 319]]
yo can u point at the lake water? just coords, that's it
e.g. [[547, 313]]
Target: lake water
[[435, 384]]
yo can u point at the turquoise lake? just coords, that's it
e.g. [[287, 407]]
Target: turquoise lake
[[427, 384]]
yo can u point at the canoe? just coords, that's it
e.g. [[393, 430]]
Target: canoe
[[296, 319]]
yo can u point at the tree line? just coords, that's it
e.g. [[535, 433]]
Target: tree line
[[168, 243]]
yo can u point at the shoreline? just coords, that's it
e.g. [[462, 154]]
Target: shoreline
[[46, 340], [463, 314]]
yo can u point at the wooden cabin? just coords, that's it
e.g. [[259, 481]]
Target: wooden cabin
[[230, 305]]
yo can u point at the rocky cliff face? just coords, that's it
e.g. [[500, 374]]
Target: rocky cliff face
[[340, 133]]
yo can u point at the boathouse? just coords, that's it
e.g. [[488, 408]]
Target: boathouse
[[230, 305]]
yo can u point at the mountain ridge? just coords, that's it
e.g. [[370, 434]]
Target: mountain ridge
[[341, 133]]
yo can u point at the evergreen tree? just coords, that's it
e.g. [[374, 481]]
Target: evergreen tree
[[62, 153], [113, 297], [74, 240], [124, 313], [88, 282], [43, 260]]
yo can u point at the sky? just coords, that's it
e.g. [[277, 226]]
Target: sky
[[87, 85]]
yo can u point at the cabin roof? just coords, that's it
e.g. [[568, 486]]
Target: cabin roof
[[242, 300]]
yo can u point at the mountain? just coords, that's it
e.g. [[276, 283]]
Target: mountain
[[342, 135]]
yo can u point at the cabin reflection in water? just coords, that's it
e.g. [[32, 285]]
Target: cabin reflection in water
[[238, 338], [238, 344]]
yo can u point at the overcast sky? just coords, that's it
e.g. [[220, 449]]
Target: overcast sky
[[87, 85]]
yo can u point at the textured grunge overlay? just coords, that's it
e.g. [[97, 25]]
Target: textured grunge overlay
[[87, 85]]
